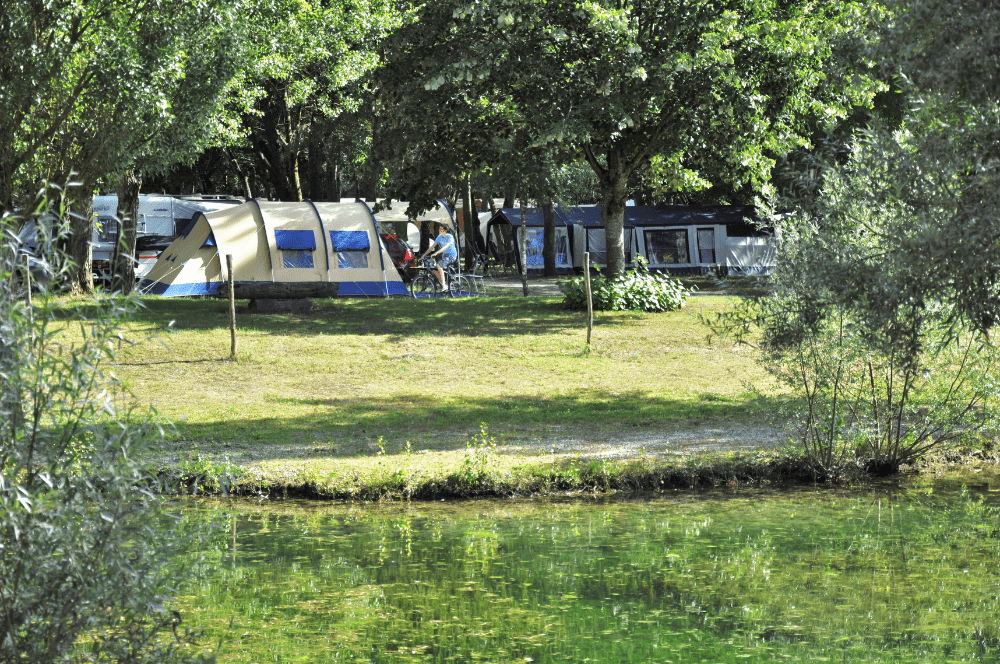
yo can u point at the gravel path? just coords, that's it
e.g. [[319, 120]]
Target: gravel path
[[682, 440]]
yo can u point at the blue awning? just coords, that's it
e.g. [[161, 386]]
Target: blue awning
[[295, 240], [349, 240]]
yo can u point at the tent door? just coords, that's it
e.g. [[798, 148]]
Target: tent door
[[706, 246]]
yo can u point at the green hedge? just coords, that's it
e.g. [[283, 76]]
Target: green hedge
[[635, 290]]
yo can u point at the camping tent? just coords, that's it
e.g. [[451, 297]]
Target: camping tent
[[699, 238], [588, 235], [396, 221], [279, 243], [504, 244]]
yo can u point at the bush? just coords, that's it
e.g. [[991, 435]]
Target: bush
[[881, 309], [636, 290], [85, 573]]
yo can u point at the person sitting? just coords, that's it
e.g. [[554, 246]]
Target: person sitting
[[444, 250]]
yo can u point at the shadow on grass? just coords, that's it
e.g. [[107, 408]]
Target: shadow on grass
[[353, 425], [396, 317]]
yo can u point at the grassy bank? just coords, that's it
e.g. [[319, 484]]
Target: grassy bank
[[337, 379], [389, 398], [495, 476], [373, 399]]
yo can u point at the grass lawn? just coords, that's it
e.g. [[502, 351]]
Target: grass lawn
[[330, 385], [430, 372]]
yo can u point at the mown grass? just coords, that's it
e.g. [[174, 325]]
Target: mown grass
[[341, 390], [430, 372]]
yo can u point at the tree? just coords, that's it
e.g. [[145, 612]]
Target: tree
[[305, 71], [712, 88], [888, 281], [100, 87], [84, 573]]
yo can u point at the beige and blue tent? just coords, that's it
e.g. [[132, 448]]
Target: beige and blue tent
[[279, 243]]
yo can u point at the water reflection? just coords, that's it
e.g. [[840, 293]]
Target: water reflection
[[901, 576]]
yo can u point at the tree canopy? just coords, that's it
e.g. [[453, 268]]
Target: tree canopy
[[704, 90]]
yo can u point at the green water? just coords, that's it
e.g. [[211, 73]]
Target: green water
[[888, 576]]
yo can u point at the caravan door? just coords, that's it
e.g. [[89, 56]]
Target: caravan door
[[156, 216]]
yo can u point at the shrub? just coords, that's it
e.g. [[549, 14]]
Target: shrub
[[883, 300], [635, 290], [85, 573]]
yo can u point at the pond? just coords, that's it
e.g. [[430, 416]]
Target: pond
[[901, 575]]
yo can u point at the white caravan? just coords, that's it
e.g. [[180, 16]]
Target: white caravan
[[161, 219]]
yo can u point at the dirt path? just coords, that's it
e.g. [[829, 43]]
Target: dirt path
[[681, 440]]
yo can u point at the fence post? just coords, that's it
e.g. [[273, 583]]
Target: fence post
[[590, 299], [27, 280], [232, 305]]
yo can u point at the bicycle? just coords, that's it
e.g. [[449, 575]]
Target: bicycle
[[426, 283]]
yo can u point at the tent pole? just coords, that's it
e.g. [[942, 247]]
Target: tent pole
[[326, 241]]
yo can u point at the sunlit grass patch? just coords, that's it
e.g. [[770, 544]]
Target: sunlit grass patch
[[324, 387]]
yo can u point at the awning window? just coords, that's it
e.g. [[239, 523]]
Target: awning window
[[349, 241], [295, 240]]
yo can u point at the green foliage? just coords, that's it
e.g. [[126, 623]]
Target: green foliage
[[884, 295], [98, 86], [480, 454], [635, 290], [302, 92], [84, 573], [887, 290], [202, 473], [679, 84]]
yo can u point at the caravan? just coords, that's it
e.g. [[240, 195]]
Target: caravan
[[160, 219]]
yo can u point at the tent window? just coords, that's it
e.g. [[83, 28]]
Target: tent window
[[706, 245], [296, 248], [296, 258], [210, 241], [535, 242], [351, 248], [667, 246], [347, 260]]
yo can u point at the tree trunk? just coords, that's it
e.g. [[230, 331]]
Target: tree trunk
[[614, 191], [372, 169], [267, 290], [335, 182], [471, 220], [243, 176], [508, 197], [317, 188], [123, 259], [549, 237], [425, 236], [81, 231], [296, 178]]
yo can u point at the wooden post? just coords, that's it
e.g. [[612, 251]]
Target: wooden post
[[232, 306], [27, 279], [524, 251], [590, 299]]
